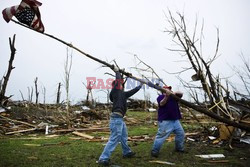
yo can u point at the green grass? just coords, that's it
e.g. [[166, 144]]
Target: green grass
[[61, 151], [141, 115], [149, 130], [40, 151], [64, 151]]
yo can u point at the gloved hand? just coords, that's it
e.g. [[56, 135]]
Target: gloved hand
[[116, 69], [179, 94], [168, 92]]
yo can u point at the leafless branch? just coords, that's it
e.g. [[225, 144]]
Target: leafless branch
[[10, 68]]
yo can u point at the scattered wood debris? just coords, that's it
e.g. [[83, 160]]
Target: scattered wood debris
[[162, 162], [32, 145], [101, 129], [84, 135], [29, 118], [211, 156], [21, 131], [225, 131]]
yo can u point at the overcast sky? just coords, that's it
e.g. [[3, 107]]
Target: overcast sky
[[116, 29]]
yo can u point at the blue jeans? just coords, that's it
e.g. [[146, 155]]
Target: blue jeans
[[165, 128], [118, 134]]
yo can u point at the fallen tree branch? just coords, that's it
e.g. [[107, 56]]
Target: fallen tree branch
[[25, 123], [150, 84], [213, 115]]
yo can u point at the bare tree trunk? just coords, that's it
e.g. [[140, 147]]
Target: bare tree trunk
[[1, 83], [10, 68], [67, 70], [22, 95], [190, 49], [44, 94], [30, 94], [108, 92], [89, 98], [37, 93], [145, 99], [58, 93]]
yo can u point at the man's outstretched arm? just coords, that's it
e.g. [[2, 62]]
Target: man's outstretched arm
[[133, 91]]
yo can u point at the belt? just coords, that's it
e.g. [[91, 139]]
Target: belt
[[117, 113]]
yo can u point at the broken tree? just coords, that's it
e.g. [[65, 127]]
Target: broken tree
[[3, 86], [216, 95], [188, 104]]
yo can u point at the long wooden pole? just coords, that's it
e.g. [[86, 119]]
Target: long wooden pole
[[150, 84]]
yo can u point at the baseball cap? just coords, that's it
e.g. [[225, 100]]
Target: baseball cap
[[167, 87]]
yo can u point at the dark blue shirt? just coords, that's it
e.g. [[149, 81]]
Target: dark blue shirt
[[119, 97], [169, 111]]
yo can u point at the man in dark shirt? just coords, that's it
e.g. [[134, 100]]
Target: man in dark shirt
[[168, 122], [117, 125]]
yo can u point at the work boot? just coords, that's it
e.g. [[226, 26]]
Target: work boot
[[154, 154], [104, 162], [129, 155]]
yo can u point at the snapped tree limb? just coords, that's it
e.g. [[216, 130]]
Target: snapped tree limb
[[150, 84], [10, 68]]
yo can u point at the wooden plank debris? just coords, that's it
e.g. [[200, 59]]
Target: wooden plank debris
[[25, 123], [102, 139], [162, 162], [211, 156], [36, 138], [103, 129], [21, 131], [225, 132], [33, 145], [52, 136], [84, 135]]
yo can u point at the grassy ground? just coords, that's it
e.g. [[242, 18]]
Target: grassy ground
[[39, 150]]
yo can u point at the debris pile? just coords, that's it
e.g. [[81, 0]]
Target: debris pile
[[24, 117], [21, 117]]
